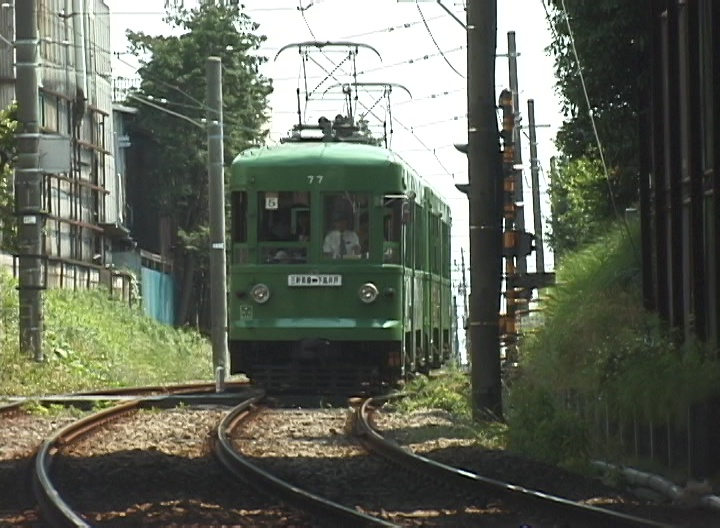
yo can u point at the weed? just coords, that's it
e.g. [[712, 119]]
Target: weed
[[92, 342]]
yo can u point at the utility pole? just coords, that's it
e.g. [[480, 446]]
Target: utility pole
[[519, 197], [485, 175], [534, 171], [28, 181], [216, 190]]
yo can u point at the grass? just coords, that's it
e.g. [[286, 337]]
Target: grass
[[451, 392], [90, 342], [600, 353]]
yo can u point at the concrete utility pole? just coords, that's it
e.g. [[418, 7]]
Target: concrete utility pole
[[534, 171], [485, 175], [28, 180], [216, 190], [521, 264]]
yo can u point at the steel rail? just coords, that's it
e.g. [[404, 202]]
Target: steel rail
[[376, 443], [326, 510], [52, 506]]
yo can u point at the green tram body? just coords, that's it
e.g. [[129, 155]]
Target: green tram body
[[317, 333]]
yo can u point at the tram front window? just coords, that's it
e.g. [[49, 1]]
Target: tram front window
[[346, 225], [284, 227]]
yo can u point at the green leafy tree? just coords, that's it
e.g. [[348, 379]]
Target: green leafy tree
[[580, 202], [175, 148], [611, 40], [8, 124]]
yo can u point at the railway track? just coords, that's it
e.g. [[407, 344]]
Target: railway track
[[355, 491], [572, 513], [70, 490], [330, 479], [325, 511]]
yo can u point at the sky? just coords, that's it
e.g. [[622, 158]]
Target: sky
[[425, 126]]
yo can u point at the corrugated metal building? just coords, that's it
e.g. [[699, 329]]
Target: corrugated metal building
[[85, 205]]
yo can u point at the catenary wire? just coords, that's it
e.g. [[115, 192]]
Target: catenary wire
[[442, 165], [432, 37]]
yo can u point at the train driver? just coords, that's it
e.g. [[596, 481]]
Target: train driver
[[341, 241]]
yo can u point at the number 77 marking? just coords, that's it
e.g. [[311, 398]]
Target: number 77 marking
[[312, 178]]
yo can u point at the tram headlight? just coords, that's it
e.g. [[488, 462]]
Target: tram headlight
[[368, 292], [260, 293]]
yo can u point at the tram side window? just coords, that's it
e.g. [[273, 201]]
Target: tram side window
[[346, 227], [238, 209], [392, 230]]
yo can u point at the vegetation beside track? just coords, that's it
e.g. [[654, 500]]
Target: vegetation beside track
[[600, 351], [92, 342], [451, 392]]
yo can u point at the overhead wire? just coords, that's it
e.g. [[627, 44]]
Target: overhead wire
[[593, 123], [432, 37], [442, 165], [414, 60], [390, 29], [169, 85], [591, 114]]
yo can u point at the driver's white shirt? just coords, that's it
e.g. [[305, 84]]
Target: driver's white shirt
[[333, 239]]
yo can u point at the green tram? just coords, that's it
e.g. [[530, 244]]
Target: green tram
[[339, 268]]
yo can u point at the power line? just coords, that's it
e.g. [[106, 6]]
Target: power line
[[389, 29], [442, 165], [432, 37], [414, 60]]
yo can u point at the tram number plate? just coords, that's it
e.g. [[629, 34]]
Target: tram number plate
[[314, 280]]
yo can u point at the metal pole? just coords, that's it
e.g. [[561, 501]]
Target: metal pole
[[485, 174], [28, 180], [535, 172], [216, 190], [519, 198]]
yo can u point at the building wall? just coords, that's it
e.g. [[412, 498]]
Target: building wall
[[61, 274], [75, 81]]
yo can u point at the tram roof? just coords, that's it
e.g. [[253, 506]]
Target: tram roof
[[318, 153]]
